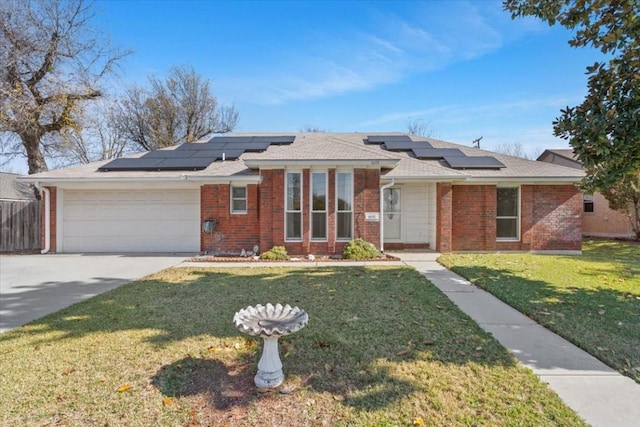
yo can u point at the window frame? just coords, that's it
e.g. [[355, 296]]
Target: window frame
[[286, 209], [517, 217], [235, 211], [588, 198], [313, 211], [337, 206]]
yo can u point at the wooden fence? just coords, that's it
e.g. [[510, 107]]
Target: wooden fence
[[20, 225]]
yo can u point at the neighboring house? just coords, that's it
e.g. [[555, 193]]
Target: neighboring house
[[312, 193], [598, 219]]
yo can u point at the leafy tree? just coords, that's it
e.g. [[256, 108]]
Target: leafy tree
[[178, 109], [624, 196], [604, 130], [51, 63]]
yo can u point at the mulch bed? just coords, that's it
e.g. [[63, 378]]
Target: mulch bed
[[301, 259]]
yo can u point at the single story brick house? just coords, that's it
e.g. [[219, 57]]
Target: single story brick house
[[312, 193]]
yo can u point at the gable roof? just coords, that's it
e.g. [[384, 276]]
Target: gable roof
[[563, 156], [331, 150]]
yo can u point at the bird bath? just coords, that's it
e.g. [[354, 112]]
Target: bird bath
[[270, 322]]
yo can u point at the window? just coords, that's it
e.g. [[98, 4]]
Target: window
[[507, 221], [238, 200], [318, 205], [344, 206], [587, 203], [293, 206]]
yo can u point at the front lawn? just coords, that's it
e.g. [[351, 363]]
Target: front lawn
[[592, 300], [383, 347]]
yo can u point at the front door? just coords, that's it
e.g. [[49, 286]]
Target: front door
[[392, 219]]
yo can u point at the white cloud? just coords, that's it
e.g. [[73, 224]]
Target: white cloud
[[433, 35]]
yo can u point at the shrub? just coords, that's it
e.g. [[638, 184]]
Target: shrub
[[359, 249], [276, 253]]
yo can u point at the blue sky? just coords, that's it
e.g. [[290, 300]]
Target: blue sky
[[464, 67]]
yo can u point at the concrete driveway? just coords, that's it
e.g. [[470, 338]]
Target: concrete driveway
[[32, 286]]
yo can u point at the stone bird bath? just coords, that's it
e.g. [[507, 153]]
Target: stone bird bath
[[270, 322]]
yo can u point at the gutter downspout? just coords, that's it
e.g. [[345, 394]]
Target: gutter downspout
[[47, 217], [384, 187]]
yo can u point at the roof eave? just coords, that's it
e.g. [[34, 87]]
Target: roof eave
[[181, 177], [529, 179], [433, 178], [283, 163]]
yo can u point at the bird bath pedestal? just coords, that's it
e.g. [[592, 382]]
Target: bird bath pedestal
[[270, 322]]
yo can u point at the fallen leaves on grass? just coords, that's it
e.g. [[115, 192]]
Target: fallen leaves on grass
[[123, 388]]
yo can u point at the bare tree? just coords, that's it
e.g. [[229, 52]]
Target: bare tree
[[312, 129], [417, 126], [179, 109], [51, 63], [515, 149], [98, 137]]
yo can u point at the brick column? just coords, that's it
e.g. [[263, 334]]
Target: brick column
[[444, 195]]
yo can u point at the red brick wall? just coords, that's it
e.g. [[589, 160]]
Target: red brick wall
[[444, 199], [474, 212], [556, 217], [366, 190], [604, 221], [366, 199], [549, 218], [234, 231]]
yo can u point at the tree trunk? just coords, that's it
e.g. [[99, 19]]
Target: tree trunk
[[35, 159]]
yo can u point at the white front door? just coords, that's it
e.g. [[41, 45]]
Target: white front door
[[392, 218]]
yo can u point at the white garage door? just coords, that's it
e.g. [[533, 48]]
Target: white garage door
[[131, 221]]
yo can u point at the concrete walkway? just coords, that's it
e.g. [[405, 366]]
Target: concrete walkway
[[600, 395]]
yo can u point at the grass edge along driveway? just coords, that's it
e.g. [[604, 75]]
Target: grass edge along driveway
[[383, 347], [592, 300]]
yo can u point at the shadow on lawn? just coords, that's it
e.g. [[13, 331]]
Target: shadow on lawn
[[225, 386], [363, 321], [572, 312]]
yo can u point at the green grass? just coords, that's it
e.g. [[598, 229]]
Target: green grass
[[383, 347], [592, 300]]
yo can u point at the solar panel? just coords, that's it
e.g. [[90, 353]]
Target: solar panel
[[436, 153], [475, 162], [234, 139], [193, 163], [379, 139], [168, 154], [276, 140], [202, 145], [130, 164], [397, 145], [228, 154], [249, 146]]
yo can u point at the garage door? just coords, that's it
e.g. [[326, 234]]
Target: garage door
[[131, 221]]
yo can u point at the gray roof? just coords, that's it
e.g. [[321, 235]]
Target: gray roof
[[11, 189], [334, 150]]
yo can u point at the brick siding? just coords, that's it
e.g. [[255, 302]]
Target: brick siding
[[234, 232], [549, 219], [604, 221], [550, 216]]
